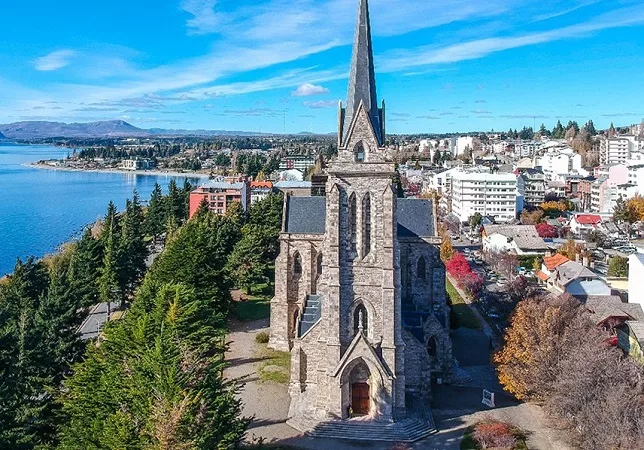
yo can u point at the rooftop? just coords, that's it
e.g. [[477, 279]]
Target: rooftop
[[552, 262], [526, 237]]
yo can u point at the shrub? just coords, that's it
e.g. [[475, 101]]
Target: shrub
[[495, 435], [262, 338]]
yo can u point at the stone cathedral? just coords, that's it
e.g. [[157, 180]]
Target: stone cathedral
[[360, 299]]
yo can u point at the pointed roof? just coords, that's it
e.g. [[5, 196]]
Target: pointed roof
[[362, 81]]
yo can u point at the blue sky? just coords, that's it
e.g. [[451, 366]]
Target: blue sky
[[275, 65]]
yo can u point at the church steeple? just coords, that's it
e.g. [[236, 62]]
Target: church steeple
[[362, 82]]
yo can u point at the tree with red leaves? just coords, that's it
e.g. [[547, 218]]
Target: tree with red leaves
[[546, 230]]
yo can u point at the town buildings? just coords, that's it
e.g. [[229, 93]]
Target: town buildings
[[220, 195], [138, 164], [490, 194], [360, 299], [299, 162], [620, 149], [521, 240], [531, 185]]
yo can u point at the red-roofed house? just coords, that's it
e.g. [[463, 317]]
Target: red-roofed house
[[582, 223]]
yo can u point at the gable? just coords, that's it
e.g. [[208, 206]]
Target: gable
[[307, 215]]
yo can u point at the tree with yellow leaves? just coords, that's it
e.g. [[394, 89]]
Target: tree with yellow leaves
[[534, 343], [447, 250], [637, 203]]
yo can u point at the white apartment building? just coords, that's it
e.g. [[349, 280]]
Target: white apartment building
[[556, 164], [463, 143], [526, 149], [490, 194], [531, 184], [620, 149]]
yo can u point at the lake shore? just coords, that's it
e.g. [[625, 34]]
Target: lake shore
[[155, 173]]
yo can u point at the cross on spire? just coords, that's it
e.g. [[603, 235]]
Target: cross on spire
[[362, 81]]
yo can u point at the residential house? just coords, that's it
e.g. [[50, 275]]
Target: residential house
[[584, 223], [570, 277], [295, 188], [517, 239]]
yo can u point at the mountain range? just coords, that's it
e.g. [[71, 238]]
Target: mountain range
[[110, 128], [2, 136]]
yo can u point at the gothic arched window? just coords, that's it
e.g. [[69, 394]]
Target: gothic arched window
[[421, 268], [359, 152], [432, 347], [319, 265], [353, 223], [297, 265], [366, 225], [360, 320]]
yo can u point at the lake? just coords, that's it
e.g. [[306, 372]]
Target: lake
[[40, 209]]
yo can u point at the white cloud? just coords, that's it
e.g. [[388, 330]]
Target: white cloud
[[204, 19], [54, 61], [429, 55], [308, 89], [321, 104]]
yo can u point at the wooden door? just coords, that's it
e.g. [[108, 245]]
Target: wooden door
[[361, 402]]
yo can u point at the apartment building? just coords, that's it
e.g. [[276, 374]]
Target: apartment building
[[220, 195], [531, 185], [620, 149], [490, 194], [557, 164], [299, 162]]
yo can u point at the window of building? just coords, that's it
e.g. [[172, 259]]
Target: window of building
[[366, 225], [359, 152], [360, 320], [319, 265], [297, 265], [421, 268], [353, 223]]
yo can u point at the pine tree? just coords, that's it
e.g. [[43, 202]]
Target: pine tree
[[156, 217], [84, 269], [174, 202], [132, 250], [558, 132], [108, 282]]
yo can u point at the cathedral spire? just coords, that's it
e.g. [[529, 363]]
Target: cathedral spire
[[362, 82]]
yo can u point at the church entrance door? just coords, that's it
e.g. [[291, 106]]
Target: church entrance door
[[361, 401]]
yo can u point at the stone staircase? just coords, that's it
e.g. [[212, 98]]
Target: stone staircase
[[362, 429], [312, 313]]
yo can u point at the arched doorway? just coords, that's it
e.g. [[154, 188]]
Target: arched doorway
[[360, 390]]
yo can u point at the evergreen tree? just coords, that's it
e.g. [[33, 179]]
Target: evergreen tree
[[155, 381], [174, 202], [133, 250], [590, 128], [84, 269], [558, 132], [611, 130], [250, 259], [108, 282], [156, 217], [111, 223]]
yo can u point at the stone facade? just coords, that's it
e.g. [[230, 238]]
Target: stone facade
[[360, 299]]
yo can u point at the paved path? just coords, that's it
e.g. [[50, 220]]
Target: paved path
[[455, 407]]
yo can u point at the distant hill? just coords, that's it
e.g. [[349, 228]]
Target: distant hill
[[35, 130]]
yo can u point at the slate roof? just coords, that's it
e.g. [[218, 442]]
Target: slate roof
[[415, 218], [307, 215], [362, 79], [572, 270], [602, 308], [525, 236]]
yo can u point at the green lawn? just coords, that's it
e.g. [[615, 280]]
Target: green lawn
[[258, 305], [276, 366], [466, 317]]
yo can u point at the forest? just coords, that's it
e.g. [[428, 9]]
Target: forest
[[153, 379]]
